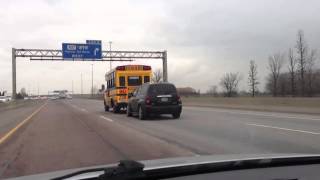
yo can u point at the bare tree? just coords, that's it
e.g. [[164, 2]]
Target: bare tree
[[283, 84], [275, 65], [23, 92], [310, 75], [253, 79], [302, 50], [213, 90], [157, 76], [102, 88], [229, 83], [292, 71]]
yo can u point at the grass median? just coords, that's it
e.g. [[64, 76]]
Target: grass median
[[16, 104]]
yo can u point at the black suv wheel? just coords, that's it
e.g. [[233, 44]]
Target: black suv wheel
[[141, 113], [129, 113], [176, 115]]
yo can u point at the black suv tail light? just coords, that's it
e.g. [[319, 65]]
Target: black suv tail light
[[179, 99], [148, 100]]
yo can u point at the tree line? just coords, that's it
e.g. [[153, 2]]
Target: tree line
[[301, 77], [292, 73]]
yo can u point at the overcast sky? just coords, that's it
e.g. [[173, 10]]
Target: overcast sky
[[204, 39]]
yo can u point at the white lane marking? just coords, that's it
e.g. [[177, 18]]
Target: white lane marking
[[84, 110], [257, 114], [105, 118], [283, 116], [80, 109], [280, 128], [74, 106]]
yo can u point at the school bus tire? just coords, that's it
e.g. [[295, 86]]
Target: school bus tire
[[115, 109], [106, 107]]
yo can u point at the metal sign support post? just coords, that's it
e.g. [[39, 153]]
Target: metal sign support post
[[14, 78], [164, 67]]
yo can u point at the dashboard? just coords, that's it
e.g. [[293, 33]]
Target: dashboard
[[299, 172]]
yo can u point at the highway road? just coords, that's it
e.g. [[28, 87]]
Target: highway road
[[53, 135]]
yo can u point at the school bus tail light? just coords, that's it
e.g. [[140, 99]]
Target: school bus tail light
[[146, 67], [121, 68]]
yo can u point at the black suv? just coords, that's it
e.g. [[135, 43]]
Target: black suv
[[160, 98]]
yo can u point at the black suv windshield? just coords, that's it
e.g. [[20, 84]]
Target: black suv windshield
[[156, 89]]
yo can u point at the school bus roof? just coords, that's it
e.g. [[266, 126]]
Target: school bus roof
[[130, 67]]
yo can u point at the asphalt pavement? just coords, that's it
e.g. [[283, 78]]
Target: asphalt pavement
[[61, 134]]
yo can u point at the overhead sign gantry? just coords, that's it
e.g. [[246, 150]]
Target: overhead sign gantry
[[90, 51]]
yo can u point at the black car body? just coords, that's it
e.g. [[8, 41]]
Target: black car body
[[158, 98]]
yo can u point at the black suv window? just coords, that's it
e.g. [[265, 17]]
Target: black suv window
[[135, 93], [159, 89]]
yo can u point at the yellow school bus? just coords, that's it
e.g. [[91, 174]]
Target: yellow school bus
[[121, 81]]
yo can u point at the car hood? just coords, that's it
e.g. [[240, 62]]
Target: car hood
[[162, 163]]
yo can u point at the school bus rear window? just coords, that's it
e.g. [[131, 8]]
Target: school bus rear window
[[134, 80], [122, 81]]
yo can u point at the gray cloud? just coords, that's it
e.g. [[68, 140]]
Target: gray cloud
[[204, 38], [225, 35]]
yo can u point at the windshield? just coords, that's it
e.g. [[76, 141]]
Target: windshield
[[86, 83]]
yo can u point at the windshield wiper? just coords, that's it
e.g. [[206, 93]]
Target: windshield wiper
[[126, 170], [129, 170]]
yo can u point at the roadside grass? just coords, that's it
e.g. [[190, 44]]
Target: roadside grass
[[304, 105], [16, 104], [10, 103], [277, 104]]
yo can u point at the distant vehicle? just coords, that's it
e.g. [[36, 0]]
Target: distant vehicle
[[62, 96], [43, 97], [160, 98], [4, 99], [35, 97], [121, 81], [53, 97], [9, 98], [69, 96]]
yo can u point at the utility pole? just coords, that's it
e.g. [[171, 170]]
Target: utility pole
[[91, 79], [38, 89], [110, 42], [29, 89], [81, 85], [72, 88]]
